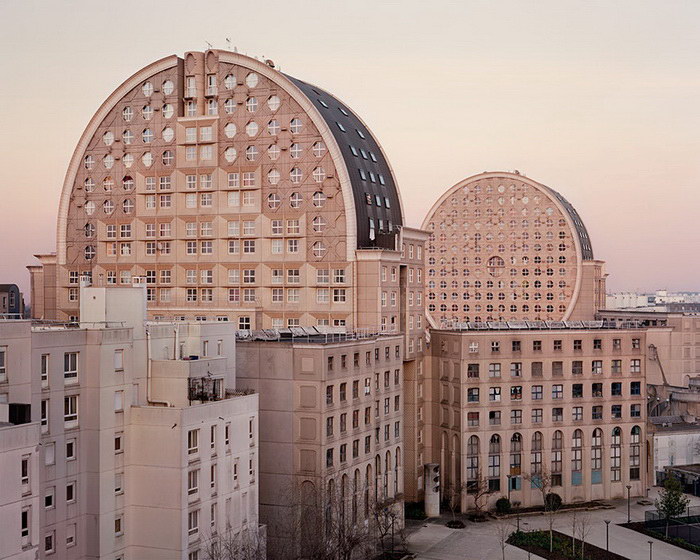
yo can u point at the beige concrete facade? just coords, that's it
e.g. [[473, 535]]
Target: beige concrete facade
[[331, 416], [504, 247], [569, 404], [139, 423], [20, 536]]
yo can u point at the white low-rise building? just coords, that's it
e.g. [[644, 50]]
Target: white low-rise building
[[143, 448]]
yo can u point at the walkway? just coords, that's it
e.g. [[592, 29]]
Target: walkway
[[432, 540]]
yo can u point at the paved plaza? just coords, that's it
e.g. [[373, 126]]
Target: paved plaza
[[432, 540]]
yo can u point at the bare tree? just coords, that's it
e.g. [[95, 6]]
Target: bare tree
[[584, 527], [387, 515], [246, 544], [479, 490], [503, 530], [543, 482], [574, 526], [453, 495]]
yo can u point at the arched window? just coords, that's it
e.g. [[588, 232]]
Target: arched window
[[387, 470], [576, 456], [473, 474], [355, 490], [616, 455], [330, 492], [635, 438], [536, 454], [516, 445], [597, 456], [557, 446], [494, 464], [368, 486], [397, 465]]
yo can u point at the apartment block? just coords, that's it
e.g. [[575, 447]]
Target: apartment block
[[147, 450], [331, 427], [518, 403]]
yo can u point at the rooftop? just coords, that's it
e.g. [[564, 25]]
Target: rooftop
[[540, 325], [314, 335]]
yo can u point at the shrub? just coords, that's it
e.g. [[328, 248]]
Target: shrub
[[552, 501], [503, 505], [414, 510]]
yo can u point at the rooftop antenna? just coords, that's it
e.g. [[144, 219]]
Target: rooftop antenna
[[228, 43], [209, 46]]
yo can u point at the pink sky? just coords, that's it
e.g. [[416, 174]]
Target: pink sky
[[598, 100]]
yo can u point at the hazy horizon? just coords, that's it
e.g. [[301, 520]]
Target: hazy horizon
[[597, 100]]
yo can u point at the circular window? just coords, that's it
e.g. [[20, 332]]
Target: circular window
[[147, 89], [319, 199], [168, 157], [295, 175], [273, 103], [273, 177], [89, 162], [108, 184], [168, 87], [295, 200], [319, 174], [108, 206], [230, 81], [251, 153], [168, 134], [147, 136], [273, 152], [147, 112], [251, 129], [251, 80], [295, 126], [89, 230], [168, 110], [319, 223], [89, 184], [89, 207], [127, 183], [127, 113], [128, 160], [108, 138], [128, 206], [128, 137], [230, 130], [273, 200], [319, 249], [90, 252], [251, 104], [147, 159], [229, 106], [295, 151], [108, 161], [230, 154], [273, 127], [319, 149]]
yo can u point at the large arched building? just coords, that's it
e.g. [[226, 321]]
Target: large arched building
[[235, 192], [503, 247]]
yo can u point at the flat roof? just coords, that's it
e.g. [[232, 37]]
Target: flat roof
[[309, 335], [541, 325]]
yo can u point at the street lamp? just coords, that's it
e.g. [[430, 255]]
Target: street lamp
[[651, 543], [607, 540], [629, 487]]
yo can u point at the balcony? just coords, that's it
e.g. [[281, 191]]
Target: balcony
[[205, 389]]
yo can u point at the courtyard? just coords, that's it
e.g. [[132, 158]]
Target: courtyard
[[432, 540]]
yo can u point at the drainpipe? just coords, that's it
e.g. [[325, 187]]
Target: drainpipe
[[148, 373]]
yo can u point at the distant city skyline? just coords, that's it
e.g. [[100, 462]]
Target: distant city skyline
[[595, 100]]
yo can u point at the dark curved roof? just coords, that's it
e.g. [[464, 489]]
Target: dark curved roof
[[370, 174], [584, 239]]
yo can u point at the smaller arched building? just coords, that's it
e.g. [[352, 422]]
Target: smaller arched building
[[503, 248]]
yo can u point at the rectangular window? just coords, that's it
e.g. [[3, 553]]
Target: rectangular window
[[70, 409], [70, 365], [472, 371], [192, 442], [557, 391]]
